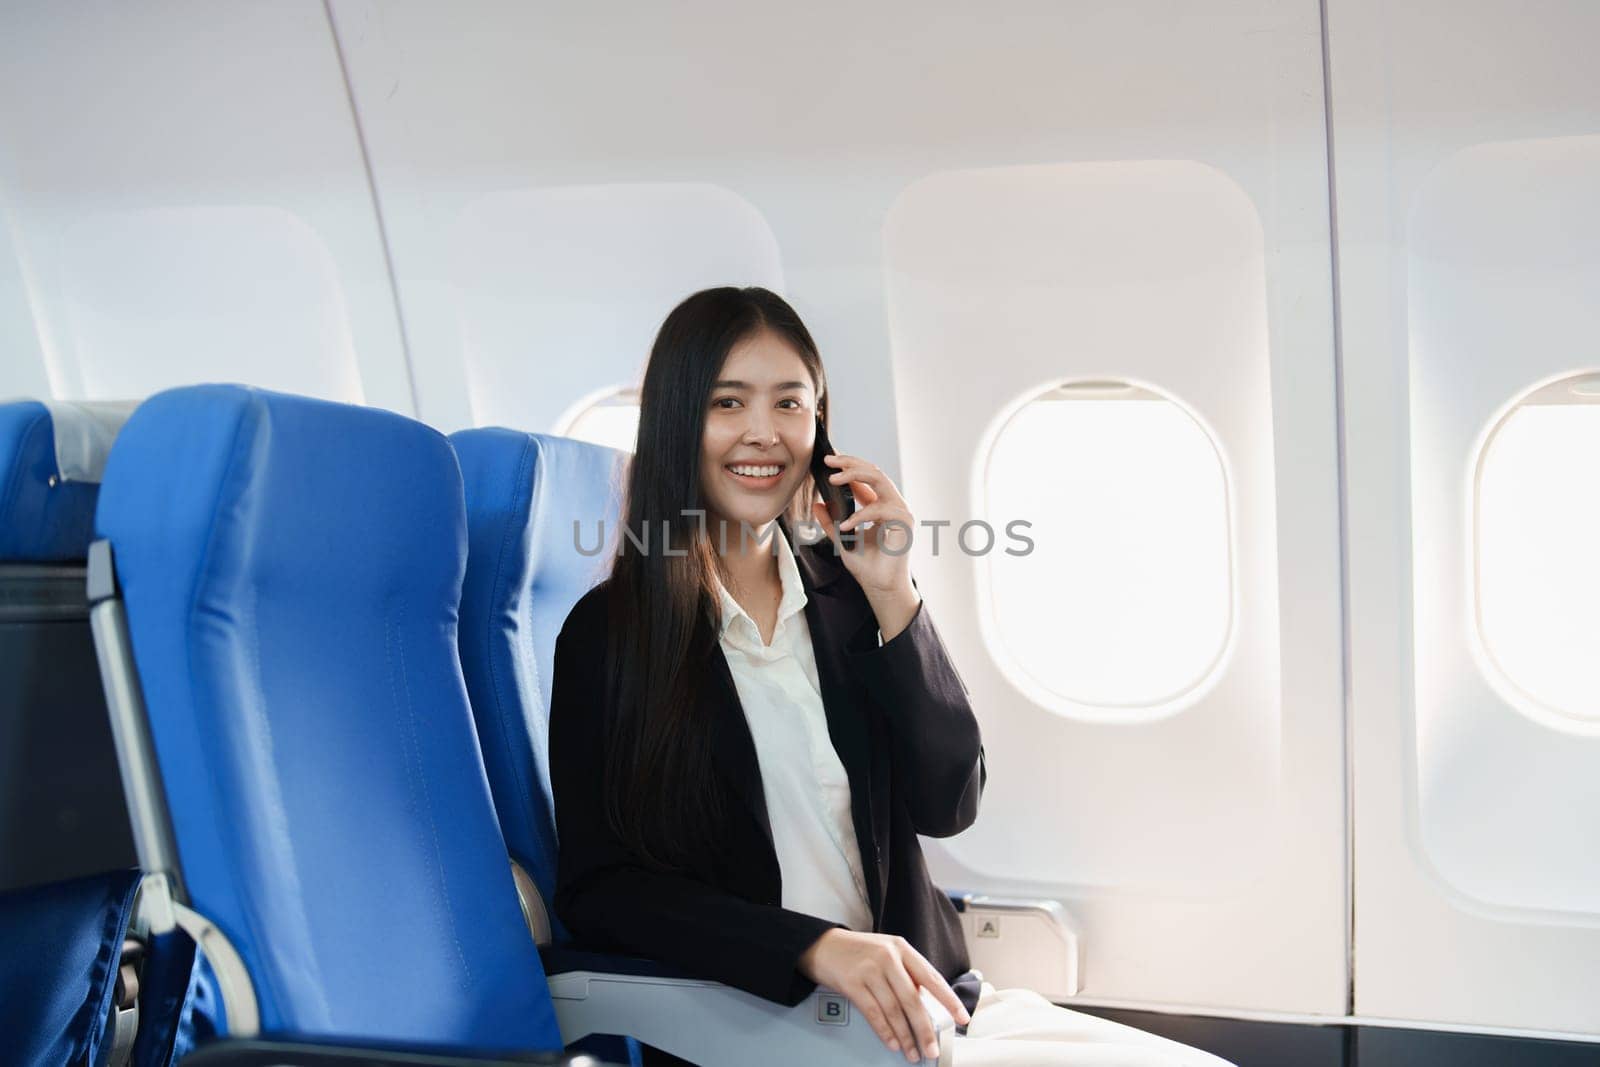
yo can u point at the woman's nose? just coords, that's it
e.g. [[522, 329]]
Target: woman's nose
[[761, 433]]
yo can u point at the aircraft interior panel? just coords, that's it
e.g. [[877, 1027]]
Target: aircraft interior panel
[[1070, 255], [188, 202], [1519, 691], [626, 247], [1465, 169]]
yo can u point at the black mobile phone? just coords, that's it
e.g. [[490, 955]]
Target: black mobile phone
[[840, 500]]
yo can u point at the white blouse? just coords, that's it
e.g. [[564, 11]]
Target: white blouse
[[807, 791]]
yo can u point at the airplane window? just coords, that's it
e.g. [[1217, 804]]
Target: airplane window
[[1125, 600], [1536, 525], [611, 419]]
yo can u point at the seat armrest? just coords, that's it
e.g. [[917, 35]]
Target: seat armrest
[[716, 1025], [1017, 942], [289, 1052], [559, 959]]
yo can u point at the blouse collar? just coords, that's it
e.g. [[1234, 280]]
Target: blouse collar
[[794, 593]]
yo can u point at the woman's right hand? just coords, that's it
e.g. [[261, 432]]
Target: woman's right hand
[[880, 974]]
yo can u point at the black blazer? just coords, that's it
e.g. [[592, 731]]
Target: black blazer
[[901, 723]]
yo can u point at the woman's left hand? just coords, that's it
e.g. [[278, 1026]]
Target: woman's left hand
[[881, 560]]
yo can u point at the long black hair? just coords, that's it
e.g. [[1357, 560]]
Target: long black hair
[[661, 796]]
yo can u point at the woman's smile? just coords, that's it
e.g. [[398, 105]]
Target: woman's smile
[[753, 481]]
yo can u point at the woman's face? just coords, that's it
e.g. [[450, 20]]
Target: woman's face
[[761, 413]]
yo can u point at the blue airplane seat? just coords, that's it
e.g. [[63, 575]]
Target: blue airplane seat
[[80, 983], [526, 567], [276, 598], [522, 579], [44, 518], [523, 576]]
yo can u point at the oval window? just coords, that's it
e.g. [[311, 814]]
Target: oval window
[[610, 419], [1125, 600], [1536, 520]]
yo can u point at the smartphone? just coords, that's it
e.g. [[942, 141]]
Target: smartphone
[[840, 500]]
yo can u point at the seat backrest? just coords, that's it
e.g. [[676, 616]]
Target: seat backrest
[[527, 564], [43, 517], [57, 764], [291, 573], [66, 856]]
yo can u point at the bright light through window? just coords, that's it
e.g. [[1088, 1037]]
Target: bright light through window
[[1538, 525], [1125, 600], [612, 420]]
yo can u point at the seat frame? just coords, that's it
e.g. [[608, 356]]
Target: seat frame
[[161, 905]]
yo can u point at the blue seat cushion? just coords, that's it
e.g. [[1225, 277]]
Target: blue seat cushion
[[59, 968]]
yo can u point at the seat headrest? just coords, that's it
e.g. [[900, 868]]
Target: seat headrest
[[526, 566], [85, 431], [291, 570], [50, 455]]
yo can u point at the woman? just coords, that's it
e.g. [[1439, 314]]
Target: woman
[[748, 732]]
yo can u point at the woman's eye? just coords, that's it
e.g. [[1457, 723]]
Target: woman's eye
[[726, 403]]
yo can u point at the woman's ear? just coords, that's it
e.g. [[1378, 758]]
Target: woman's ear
[[820, 516]]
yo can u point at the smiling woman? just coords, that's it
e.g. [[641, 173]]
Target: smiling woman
[[747, 741], [734, 377]]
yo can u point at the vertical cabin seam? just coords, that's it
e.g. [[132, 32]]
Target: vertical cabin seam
[[1342, 476], [377, 210]]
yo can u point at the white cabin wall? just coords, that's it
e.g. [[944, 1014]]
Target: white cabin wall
[[186, 201], [22, 371], [632, 160], [1468, 154]]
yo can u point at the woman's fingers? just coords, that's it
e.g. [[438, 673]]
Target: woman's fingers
[[911, 1003], [924, 974], [874, 513], [863, 492], [857, 470], [894, 1008], [881, 974], [865, 474], [880, 1012], [878, 513], [892, 528], [866, 1003]]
